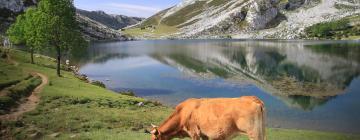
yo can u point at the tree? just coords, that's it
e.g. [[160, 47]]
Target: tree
[[16, 33], [52, 24], [30, 33], [23, 31], [16, 30], [58, 27]]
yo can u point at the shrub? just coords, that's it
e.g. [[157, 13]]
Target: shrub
[[3, 55], [82, 77], [98, 83], [6, 102], [128, 93]]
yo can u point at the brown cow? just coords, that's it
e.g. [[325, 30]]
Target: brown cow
[[215, 119]]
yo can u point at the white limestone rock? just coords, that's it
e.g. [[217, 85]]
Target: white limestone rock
[[260, 13]]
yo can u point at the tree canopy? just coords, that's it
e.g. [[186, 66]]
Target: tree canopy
[[52, 24]]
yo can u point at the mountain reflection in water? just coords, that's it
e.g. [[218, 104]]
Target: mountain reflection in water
[[302, 74]]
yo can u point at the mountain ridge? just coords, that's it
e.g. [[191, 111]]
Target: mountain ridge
[[278, 19], [111, 20]]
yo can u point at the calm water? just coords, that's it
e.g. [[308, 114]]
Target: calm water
[[304, 84]]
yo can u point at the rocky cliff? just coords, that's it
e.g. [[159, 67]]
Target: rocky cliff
[[283, 19], [9, 9]]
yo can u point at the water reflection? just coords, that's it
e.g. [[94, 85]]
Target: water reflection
[[306, 102], [304, 84], [308, 78], [302, 74]]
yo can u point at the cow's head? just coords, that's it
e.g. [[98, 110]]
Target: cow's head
[[155, 133]]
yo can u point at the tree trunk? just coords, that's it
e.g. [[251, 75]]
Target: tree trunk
[[58, 51], [32, 55]]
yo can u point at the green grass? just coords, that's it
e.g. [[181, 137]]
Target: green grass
[[272, 134], [165, 27], [70, 106], [14, 93], [153, 20], [159, 31], [346, 28], [15, 83], [23, 88], [79, 110], [184, 14], [10, 74], [217, 2]]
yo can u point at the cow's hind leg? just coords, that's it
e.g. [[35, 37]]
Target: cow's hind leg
[[253, 135]]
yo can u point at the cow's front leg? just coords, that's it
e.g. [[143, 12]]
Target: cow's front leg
[[195, 134], [204, 138], [195, 137]]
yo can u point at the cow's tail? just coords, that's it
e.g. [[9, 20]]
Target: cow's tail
[[260, 123]]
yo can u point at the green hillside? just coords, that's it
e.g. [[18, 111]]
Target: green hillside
[[345, 28]]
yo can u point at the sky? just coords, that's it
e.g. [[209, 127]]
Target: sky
[[138, 8]]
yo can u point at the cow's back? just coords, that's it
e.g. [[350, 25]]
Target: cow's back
[[219, 117]]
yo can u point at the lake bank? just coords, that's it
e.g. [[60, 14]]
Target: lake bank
[[70, 108]]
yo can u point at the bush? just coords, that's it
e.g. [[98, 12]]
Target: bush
[[98, 83], [128, 93], [6, 102], [82, 77], [3, 55]]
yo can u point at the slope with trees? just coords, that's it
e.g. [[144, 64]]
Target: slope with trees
[[52, 24]]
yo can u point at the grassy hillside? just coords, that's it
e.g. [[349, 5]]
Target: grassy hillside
[[346, 28], [72, 109], [10, 74], [159, 31], [159, 26], [184, 14], [151, 28], [153, 20]]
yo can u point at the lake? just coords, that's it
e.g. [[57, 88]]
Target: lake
[[304, 84]]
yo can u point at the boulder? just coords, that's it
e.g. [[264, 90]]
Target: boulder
[[260, 13], [140, 104]]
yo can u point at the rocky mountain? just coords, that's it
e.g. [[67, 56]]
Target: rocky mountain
[[94, 25], [285, 19], [93, 30], [9, 9], [113, 21]]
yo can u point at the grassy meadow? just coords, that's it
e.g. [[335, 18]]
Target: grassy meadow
[[160, 31], [347, 28], [72, 109]]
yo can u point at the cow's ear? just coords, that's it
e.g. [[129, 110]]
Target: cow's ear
[[154, 126]]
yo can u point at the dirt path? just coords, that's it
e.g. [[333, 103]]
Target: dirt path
[[30, 103]]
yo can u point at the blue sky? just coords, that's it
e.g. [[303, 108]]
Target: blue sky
[[139, 8]]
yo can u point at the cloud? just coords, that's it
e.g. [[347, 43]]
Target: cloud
[[135, 8]]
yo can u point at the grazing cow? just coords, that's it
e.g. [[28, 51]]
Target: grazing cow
[[215, 119]]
